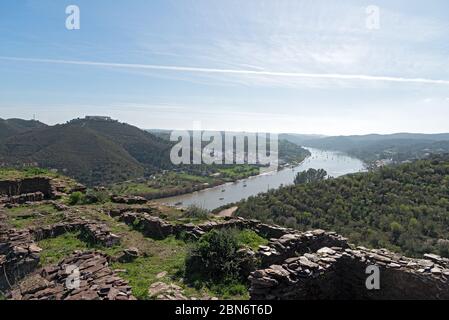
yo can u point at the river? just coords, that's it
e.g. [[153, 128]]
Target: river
[[335, 163]]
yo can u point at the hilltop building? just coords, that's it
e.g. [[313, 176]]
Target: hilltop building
[[99, 118]]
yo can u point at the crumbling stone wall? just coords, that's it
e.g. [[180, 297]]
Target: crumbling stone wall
[[29, 185], [96, 281], [291, 244], [19, 254], [337, 273], [157, 228]]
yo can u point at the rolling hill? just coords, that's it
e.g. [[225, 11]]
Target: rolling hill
[[398, 146], [11, 127], [94, 152]]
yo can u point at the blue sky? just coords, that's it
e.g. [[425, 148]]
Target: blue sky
[[254, 65]]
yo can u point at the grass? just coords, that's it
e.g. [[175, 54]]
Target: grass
[[157, 256], [13, 174], [34, 215], [237, 172], [167, 255], [56, 249], [250, 239], [175, 183]]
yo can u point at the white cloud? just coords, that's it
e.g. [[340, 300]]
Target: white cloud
[[263, 73]]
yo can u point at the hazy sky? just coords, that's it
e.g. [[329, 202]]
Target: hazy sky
[[254, 65]]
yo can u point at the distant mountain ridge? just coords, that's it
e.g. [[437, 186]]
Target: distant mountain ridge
[[371, 147]]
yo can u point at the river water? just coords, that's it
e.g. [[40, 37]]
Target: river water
[[335, 163]]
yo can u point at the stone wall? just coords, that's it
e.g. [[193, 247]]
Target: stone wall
[[291, 244], [29, 185], [19, 254], [96, 281], [23, 198], [157, 228], [338, 273]]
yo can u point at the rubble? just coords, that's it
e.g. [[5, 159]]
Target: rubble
[[83, 276], [129, 255], [341, 273], [163, 291], [128, 199], [23, 198], [19, 254]]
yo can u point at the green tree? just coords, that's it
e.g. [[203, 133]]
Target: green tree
[[311, 175]]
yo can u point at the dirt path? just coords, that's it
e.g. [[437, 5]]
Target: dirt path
[[227, 212]]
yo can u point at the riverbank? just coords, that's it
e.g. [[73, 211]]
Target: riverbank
[[335, 163]]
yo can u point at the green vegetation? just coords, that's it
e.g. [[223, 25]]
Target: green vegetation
[[56, 249], [175, 183], [238, 172], [403, 208], [216, 263], [291, 153], [32, 172], [76, 198], [165, 256], [11, 127], [34, 215], [250, 239], [310, 175], [397, 147], [94, 152], [195, 212]]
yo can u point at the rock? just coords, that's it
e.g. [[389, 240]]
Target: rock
[[97, 281], [33, 284], [129, 255], [163, 291], [33, 248], [326, 251], [128, 199]]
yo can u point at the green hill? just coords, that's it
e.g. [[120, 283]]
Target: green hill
[[11, 127], [404, 208], [398, 146], [94, 152]]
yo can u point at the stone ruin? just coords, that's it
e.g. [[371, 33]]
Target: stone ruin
[[19, 253], [128, 199], [96, 281], [21, 191], [315, 264], [340, 272], [293, 265], [157, 228]]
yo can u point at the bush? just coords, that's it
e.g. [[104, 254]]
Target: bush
[[97, 196], [76, 198], [215, 258], [195, 212]]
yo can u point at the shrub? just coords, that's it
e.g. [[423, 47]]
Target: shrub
[[96, 196], [195, 212], [214, 258], [76, 198]]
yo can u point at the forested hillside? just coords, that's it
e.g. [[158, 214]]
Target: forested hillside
[[93, 152], [11, 127], [404, 208], [397, 147]]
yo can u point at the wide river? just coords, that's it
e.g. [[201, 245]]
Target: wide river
[[335, 163]]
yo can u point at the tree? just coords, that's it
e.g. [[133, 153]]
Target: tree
[[214, 257], [310, 175]]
